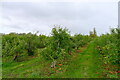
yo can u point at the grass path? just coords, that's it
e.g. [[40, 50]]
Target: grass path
[[85, 65]]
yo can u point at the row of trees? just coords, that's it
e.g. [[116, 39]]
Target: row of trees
[[59, 45], [14, 44], [108, 45]]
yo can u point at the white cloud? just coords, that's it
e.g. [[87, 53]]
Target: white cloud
[[77, 17]]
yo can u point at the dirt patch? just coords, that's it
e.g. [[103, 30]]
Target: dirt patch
[[79, 51]]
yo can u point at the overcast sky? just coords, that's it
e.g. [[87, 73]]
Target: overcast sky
[[78, 17]]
